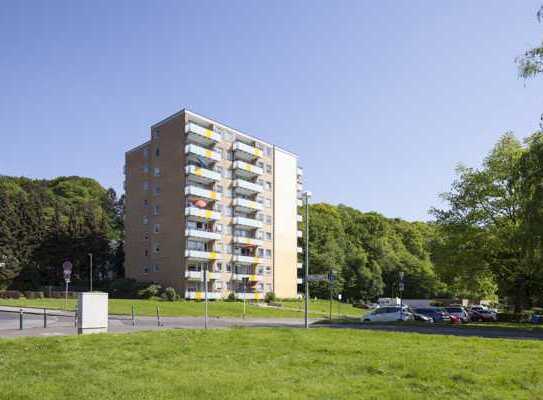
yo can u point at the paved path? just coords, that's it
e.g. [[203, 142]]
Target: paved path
[[436, 329], [62, 323]]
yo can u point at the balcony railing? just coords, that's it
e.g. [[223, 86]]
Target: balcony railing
[[299, 281], [247, 150], [247, 186], [201, 234], [204, 173], [249, 296], [248, 168], [299, 250], [299, 265], [199, 275], [203, 152], [202, 255], [299, 203], [196, 191], [248, 222], [249, 277], [299, 234], [299, 218], [248, 204], [200, 295], [248, 240], [206, 133], [202, 213], [246, 259]]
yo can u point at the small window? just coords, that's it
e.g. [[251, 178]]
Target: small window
[[261, 252], [146, 168], [228, 230], [145, 185], [218, 188], [156, 268], [218, 169], [268, 168], [156, 134], [156, 210], [146, 153], [146, 252], [228, 211], [228, 265], [268, 151], [218, 228], [156, 248], [268, 270], [227, 136], [145, 270], [268, 219], [157, 171], [260, 164], [146, 236], [157, 190], [157, 152], [268, 185], [229, 156], [156, 228], [227, 174], [227, 249], [145, 220], [268, 253], [268, 236], [219, 267], [268, 203], [145, 203]]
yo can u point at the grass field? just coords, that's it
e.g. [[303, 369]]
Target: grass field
[[270, 364], [191, 308]]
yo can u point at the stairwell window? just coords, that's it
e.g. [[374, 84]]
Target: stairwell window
[[157, 171], [157, 152], [156, 228], [156, 248]]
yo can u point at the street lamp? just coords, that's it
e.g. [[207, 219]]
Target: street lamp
[[307, 195], [401, 287]]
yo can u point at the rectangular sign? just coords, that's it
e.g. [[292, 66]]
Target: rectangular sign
[[315, 277]]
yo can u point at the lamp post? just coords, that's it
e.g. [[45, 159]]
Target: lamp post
[[307, 195], [90, 274], [401, 287]]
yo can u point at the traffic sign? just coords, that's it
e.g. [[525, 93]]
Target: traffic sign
[[317, 277]]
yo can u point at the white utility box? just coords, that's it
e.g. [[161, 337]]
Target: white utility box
[[92, 312]]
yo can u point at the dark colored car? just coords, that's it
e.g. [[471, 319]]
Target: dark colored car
[[437, 314], [483, 316]]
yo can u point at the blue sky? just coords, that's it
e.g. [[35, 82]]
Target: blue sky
[[380, 100]]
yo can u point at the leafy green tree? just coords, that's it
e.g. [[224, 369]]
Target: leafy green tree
[[530, 64]]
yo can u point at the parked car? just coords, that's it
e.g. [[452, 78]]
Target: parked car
[[422, 317], [459, 312], [536, 319], [388, 314], [437, 314], [483, 315]]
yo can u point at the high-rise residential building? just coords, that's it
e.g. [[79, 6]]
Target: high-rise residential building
[[201, 196]]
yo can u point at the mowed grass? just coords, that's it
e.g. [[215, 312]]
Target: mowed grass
[[269, 364], [185, 308], [322, 307]]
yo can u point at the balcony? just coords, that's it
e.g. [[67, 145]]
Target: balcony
[[248, 240], [202, 255], [299, 203], [200, 134], [247, 205], [201, 295], [202, 174], [299, 234], [247, 169], [246, 259], [299, 250], [299, 281], [249, 296], [249, 277], [299, 218], [199, 275], [201, 213], [196, 191], [247, 187], [299, 265], [201, 234], [299, 187], [245, 152], [247, 222], [194, 150], [299, 171]]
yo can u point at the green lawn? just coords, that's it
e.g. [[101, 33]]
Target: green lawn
[[189, 308], [322, 307], [270, 364]]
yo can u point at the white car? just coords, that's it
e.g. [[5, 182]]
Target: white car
[[388, 314]]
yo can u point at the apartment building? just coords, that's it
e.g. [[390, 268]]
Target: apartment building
[[201, 196]]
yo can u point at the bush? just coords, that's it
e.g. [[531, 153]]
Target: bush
[[150, 291], [169, 294], [10, 294], [29, 294], [124, 288], [231, 297], [514, 317], [270, 297]]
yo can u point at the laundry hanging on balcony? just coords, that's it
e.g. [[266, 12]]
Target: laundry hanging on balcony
[[200, 203]]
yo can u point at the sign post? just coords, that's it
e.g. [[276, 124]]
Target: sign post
[[67, 268], [331, 279], [205, 300], [401, 287]]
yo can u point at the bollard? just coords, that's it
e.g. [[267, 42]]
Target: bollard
[[21, 319], [133, 316], [45, 318], [75, 315], [158, 316]]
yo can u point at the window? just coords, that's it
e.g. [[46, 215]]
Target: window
[[261, 252], [156, 228], [146, 168], [156, 268], [228, 266], [218, 247], [146, 252], [268, 185], [260, 164], [227, 174], [228, 192], [268, 287], [268, 236], [146, 153], [229, 156], [268, 203], [156, 210], [268, 219], [157, 190], [145, 203], [218, 169], [217, 207], [259, 199], [157, 171], [156, 248], [218, 285], [146, 236], [228, 230], [259, 217], [259, 234], [260, 182], [227, 249], [145, 185], [145, 270], [268, 270], [260, 286], [145, 220], [218, 188], [268, 151], [228, 211], [268, 253], [219, 267], [268, 168], [218, 228], [227, 136], [157, 152], [156, 134]]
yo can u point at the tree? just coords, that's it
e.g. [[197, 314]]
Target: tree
[[530, 64]]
